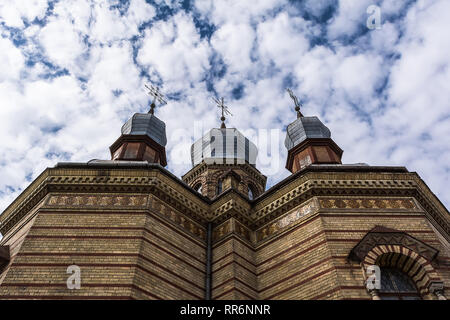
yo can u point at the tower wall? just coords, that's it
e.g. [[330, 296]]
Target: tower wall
[[238, 177]]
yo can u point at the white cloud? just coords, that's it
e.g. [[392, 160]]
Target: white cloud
[[234, 42], [359, 76], [77, 12], [13, 12], [108, 25], [236, 11], [11, 61], [384, 94], [62, 43], [140, 11], [174, 49], [283, 39], [352, 16]]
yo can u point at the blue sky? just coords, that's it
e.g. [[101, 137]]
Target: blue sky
[[72, 72]]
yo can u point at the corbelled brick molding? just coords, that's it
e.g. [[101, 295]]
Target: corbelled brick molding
[[379, 189]]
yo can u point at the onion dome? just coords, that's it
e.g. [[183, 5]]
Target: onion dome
[[224, 146], [143, 139], [305, 128], [309, 141], [146, 124]]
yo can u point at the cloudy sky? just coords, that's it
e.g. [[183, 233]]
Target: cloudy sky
[[73, 71]]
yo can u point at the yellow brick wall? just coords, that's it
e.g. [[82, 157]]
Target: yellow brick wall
[[124, 254]]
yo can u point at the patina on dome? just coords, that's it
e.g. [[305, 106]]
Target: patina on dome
[[305, 128], [224, 145], [146, 124]]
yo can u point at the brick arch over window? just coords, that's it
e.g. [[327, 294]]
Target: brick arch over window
[[415, 266], [387, 247]]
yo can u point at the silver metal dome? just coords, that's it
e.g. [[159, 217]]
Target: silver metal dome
[[225, 145], [146, 124], [304, 128]]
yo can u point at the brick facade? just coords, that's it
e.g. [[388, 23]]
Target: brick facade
[[141, 233]]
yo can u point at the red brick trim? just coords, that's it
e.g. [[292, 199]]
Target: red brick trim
[[341, 288], [177, 229], [349, 215], [357, 240], [233, 253], [174, 246], [85, 228], [168, 271], [117, 238], [145, 292], [291, 248], [175, 256], [169, 282], [60, 297], [147, 212], [295, 274], [232, 236], [66, 297], [231, 290], [235, 262], [429, 275], [234, 279], [368, 230], [105, 254], [137, 266], [306, 269], [300, 225], [300, 283], [144, 229], [294, 256]]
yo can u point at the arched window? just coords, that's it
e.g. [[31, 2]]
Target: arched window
[[219, 187], [396, 285], [251, 192], [198, 187]]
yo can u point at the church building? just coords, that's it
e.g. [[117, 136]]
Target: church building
[[127, 228]]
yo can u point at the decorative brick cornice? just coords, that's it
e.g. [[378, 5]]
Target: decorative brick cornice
[[279, 200], [368, 189], [91, 181], [231, 205]]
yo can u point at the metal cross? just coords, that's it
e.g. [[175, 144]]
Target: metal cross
[[225, 111], [296, 102], [157, 96]]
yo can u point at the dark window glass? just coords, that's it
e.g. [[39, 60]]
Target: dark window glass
[[396, 285], [219, 187], [198, 187], [251, 192]]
